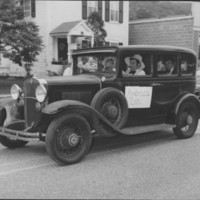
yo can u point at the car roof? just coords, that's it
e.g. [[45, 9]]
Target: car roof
[[113, 49]]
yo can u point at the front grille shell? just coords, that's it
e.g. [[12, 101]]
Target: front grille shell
[[30, 113]]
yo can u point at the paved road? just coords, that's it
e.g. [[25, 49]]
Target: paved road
[[146, 166]]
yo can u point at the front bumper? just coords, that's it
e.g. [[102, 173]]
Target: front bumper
[[11, 132]]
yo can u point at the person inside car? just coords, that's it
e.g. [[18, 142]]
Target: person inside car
[[87, 64], [160, 65], [109, 65], [183, 65], [170, 67], [135, 66]]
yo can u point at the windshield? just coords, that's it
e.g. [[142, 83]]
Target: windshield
[[99, 63]]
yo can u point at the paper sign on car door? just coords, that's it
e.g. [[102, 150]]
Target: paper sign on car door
[[138, 97]]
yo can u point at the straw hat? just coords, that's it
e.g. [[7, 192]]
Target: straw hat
[[109, 58], [136, 57]]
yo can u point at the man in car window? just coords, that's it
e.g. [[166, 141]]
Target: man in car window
[[135, 66], [170, 66]]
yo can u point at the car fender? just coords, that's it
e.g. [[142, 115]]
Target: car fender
[[12, 108], [62, 105], [81, 108], [183, 97]]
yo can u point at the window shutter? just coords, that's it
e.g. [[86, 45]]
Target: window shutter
[[33, 14], [120, 11], [84, 9], [22, 6], [107, 11], [100, 8], [21, 2]]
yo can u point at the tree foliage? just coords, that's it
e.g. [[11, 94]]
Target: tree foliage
[[157, 9], [96, 24], [19, 38]]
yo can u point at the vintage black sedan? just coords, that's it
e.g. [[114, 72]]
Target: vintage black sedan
[[113, 90]]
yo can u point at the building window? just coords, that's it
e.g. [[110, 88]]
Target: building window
[[92, 7], [27, 8], [114, 11]]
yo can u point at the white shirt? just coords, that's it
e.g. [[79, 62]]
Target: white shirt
[[68, 72]]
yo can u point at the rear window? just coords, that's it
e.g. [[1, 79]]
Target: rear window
[[187, 65], [166, 64]]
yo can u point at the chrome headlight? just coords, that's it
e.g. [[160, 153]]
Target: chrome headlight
[[40, 93], [16, 92]]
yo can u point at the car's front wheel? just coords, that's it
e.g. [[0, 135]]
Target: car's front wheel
[[186, 120], [68, 139]]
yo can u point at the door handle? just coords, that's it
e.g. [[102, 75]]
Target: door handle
[[156, 84]]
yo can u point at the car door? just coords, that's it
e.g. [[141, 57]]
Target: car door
[[167, 81], [138, 89], [150, 96]]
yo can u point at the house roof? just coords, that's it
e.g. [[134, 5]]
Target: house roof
[[64, 27]]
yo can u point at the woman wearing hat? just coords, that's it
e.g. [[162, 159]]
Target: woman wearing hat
[[109, 65], [135, 66]]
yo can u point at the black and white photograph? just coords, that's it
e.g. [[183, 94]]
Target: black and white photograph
[[99, 99]]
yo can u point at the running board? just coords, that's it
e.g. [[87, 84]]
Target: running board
[[144, 129]]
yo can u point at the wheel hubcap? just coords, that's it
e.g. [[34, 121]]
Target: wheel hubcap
[[68, 139], [73, 139], [189, 119], [111, 110]]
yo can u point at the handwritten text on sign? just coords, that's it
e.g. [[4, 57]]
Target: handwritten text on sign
[[138, 97]]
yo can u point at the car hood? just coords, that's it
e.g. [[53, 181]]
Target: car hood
[[73, 80]]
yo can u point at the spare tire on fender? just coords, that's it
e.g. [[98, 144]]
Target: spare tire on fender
[[112, 104]]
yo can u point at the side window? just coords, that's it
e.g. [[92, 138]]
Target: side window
[[166, 64], [137, 64], [114, 11], [187, 65]]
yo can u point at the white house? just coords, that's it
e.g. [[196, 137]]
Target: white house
[[63, 29]]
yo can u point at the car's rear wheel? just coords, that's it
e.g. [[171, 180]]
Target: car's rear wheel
[[68, 139], [8, 142], [186, 120], [112, 104]]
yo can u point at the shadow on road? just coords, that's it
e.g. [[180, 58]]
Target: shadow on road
[[99, 144]]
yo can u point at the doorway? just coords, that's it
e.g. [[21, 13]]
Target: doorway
[[62, 49]]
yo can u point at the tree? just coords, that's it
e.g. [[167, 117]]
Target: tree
[[19, 39], [143, 13], [96, 24], [157, 9]]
